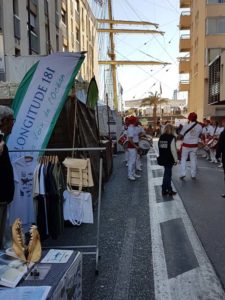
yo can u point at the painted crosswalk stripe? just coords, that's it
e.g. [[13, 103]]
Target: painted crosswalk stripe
[[198, 280]]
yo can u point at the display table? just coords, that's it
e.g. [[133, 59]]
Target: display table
[[65, 279]]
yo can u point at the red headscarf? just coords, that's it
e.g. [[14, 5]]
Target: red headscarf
[[132, 120], [192, 117]]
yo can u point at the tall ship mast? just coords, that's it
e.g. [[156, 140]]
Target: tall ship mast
[[107, 24]]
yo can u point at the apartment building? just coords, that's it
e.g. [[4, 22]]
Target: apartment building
[[202, 26], [40, 27]]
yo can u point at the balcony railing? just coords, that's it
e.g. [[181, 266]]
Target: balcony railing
[[184, 65], [185, 3], [185, 43], [185, 20], [184, 86]]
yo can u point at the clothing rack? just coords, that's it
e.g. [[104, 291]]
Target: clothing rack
[[94, 247]]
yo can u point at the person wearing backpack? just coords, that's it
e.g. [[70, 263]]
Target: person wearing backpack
[[167, 158]]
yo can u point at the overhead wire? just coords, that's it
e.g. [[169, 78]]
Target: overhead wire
[[151, 75]]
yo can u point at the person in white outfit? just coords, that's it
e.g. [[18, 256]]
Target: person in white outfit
[[190, 134], [132, 148], [214, 134], [205, 137], [138, 133]]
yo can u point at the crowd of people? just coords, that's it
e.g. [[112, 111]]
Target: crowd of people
[[176, 146], [204, 139]]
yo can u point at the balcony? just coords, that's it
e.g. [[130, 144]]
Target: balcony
[[184, 65], [184, 86], [185, 3], [185, 43], [185, 20]]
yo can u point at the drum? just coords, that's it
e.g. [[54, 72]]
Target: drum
[[212, 143], [144, 144], [123, 140]]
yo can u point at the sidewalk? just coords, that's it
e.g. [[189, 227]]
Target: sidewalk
[[125, 266]]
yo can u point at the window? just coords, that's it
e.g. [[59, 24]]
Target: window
[[77, 6], [33, 21], [57, 42], [63, 13], [71, 24], [56, 5], [82, 18], [77, 34], [215, 25], [17, 52], [15, 7], [215, 1], [213, 53]]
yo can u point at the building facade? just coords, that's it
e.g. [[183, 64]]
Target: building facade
[[41, 27], [202, 26]]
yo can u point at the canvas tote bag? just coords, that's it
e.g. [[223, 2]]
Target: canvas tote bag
[[79, 174]]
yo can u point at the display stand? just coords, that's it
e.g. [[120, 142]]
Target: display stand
[[95, 248]]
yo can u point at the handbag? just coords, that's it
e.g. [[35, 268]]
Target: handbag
[[78, 174], [77, 208]]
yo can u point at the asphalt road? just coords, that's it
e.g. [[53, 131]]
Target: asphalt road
[[206, 209], [127, 241]]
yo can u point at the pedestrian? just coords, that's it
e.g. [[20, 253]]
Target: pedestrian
[[6, 170], [190, 134], [167, 157], [220, 150], [132, 149]]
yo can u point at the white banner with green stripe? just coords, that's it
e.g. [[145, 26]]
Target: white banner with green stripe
[[40, 98]]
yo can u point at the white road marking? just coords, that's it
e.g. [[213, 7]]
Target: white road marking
[[199, 283]]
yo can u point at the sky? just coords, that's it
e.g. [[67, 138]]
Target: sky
[[138, 81]]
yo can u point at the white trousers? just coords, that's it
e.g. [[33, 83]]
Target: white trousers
[[132, 154], [138, 161], [212, 154], [192, 152], [126, 155]]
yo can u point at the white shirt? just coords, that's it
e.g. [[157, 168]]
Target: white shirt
[[206, 130], [215, 131], [192, 137], [77, 208], [22, 205]]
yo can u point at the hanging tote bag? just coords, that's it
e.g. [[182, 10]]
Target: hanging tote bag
[[79, 174], [77, 208]]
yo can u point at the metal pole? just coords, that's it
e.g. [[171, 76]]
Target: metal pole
[[112, 55], [99, 211], [107, 103], [60, 149]]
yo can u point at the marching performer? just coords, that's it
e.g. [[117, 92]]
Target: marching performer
[[190, 134], [139, 132], [221, 150], [125, 144], [205, 137], [132, 148], [214, 134]]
